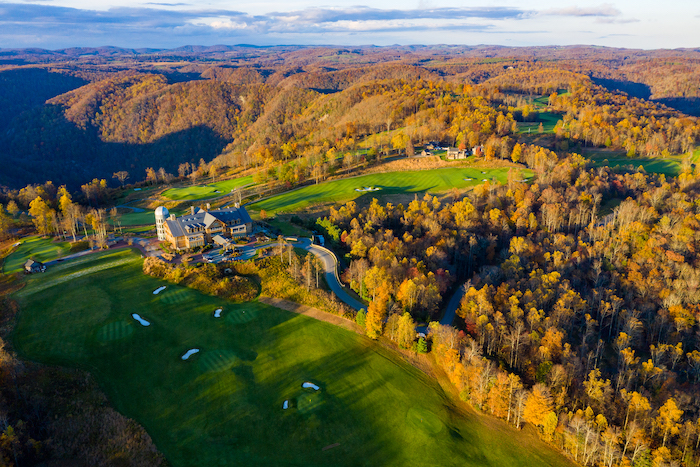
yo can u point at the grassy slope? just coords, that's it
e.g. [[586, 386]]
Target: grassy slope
[[548, 119], [223, 406], [340, 191], [139, 218], [42, 249], [670, 166], [206, 191]]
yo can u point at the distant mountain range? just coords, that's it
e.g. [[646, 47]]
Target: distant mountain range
[[74, 114]]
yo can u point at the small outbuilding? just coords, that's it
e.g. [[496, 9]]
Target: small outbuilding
[[32, 266], [221, 241]]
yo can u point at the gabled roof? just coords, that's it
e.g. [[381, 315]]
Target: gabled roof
[[209, 219], [32, 264], [175, 228], [185, 224], [219, 240]]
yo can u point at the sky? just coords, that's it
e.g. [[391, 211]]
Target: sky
[[56, 24]]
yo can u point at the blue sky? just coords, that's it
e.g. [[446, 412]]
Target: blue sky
[[57, 24]]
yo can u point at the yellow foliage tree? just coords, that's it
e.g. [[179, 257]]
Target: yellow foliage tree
[[41, 215], [668, 419], [538, 404], [376, 313]]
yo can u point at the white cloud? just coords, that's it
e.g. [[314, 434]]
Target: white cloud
[[601, 10]]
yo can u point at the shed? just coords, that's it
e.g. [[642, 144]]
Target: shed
[[32, 266]]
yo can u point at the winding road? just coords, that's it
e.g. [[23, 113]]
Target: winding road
[[330, 266], [452, 306]]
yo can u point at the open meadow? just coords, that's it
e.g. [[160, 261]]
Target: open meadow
[[223, 405], [341, 191]]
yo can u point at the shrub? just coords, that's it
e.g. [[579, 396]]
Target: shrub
[[421, 346], [75, 247], [207, 279], [360, 318]]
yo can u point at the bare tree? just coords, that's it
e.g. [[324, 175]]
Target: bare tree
[[122, 175]]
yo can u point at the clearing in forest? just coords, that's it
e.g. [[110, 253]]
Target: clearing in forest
[[670, 166], [211, 190], [223, 405], [341, 191]]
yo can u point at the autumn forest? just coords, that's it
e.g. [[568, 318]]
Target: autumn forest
[[580, 315]]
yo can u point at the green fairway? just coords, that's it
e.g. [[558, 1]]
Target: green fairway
[[224, 404], [340, 191], [548, 120], [211, 190], [670, 166], [38, 248], [138, 218]]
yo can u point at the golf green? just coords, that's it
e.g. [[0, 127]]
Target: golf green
[[340, 191], [224, 404]]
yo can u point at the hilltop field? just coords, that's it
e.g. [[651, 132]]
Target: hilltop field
[[340, 191]]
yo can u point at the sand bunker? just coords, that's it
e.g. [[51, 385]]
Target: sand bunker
[[159, 290], [485, 180], [140, 319], [467, 179], [285, 406], [217, 313], [483, 172], [367, 188], [189, 353], [310, 385]]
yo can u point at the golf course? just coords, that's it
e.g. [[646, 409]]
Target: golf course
[[221, 383], [211, 190], [670, 166], [36, 247], [340, 191]]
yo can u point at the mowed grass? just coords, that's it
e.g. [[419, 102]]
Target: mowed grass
[[340, 191], [38, 248], [223, 406], [138, 218], [211, 190], [670, 166], [548, 119]]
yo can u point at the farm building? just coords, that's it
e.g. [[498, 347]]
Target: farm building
[[201, 227]]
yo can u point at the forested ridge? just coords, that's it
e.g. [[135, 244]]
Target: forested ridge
[[77, 114], [580, 322]]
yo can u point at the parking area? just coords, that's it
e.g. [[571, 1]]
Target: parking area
[[217, 255]]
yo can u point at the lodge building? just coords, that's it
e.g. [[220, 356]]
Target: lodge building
[[202, 227]]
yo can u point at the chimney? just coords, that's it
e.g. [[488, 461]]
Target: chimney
[[172, 217], [208, 207], [192, 210]]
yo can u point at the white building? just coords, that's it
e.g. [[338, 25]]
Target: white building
[[161, 216]]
